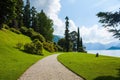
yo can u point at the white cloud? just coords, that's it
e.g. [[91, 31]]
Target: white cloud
[[96, 34], [101, 2], [114, 7], [91, 34]]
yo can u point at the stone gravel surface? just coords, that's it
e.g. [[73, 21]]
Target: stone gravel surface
[[49, 69]]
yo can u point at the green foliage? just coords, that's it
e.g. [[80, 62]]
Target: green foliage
[[49, 46], [61, 43], [7, 12], [19, 45], [85, 65], [44, 26], [34, 47], [15, 30], [67, 41], [6, 26], [39, 37], [23, 30], [111, 21], [30, 32], [26, 14]]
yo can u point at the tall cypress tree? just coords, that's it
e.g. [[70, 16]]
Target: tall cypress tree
[[79, 43], [67, 41], [26, 14], [78, 40]]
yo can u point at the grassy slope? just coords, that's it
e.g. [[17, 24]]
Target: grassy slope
[[12, 61], [92, 68]]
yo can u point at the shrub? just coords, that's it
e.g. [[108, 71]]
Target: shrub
[[5, 26], [49, 46], [30, 32], [39, 37], [19, 45], [15, 30], [34, 47], [23, 30], [59, 48]]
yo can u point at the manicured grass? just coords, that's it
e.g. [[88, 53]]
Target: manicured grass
[[91, 67], [14, 62]]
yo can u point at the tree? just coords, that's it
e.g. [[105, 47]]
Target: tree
[[61, 43], [19, 12], [7, 11], [111, 21], [67, 34], [79, 43], [26, 14], [17, 22], [34, 18], [73, 39], [44, 26]]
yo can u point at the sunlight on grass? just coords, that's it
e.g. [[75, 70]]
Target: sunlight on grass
[[14, 62], [91, 67]]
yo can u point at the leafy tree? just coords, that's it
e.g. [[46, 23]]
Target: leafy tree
[[45, 26], [73, 39], [61, 43], [111, 21], [26, 14], [7, 11], [67, 35]]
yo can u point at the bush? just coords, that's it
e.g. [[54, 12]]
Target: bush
[[39, 37], [34, 47], [59, 48], [30, 32], [5, 26], [19, 45], [23, 30], [49, 46], [15, 30]]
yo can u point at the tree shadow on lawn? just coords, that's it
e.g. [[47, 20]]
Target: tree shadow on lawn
[[109, 77]]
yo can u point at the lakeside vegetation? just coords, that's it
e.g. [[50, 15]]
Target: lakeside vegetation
[[91, 67], [14, 62]]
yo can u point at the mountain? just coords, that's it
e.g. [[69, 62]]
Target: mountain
[[94, 46], [56, 38], [113, 48], [100, 46]]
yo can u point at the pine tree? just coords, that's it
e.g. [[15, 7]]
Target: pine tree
[[26, 14], [7, 11], [17, 22], [34, 18], [67, 41]]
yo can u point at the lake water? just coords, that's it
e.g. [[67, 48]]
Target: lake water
[[115, 53]]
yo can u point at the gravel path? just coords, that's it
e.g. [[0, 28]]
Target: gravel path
[[49, 69]]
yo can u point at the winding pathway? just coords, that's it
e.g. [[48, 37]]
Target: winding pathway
[[49, 69]]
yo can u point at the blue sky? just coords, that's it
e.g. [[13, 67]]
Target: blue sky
[[82, 13]]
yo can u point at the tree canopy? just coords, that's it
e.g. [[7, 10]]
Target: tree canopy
[[111, 21]]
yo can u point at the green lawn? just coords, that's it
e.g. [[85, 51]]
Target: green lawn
[[12, 61], [90, 67]]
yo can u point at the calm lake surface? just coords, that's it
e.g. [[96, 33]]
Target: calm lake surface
[[115, 53]]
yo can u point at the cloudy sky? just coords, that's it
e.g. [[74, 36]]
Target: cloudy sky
[[82, 14]]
